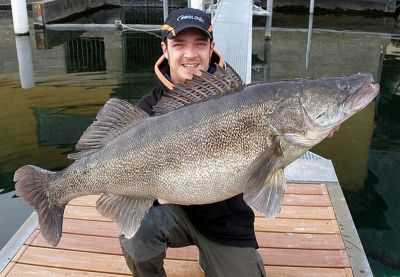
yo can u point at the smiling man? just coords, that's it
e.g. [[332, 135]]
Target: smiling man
[[188, 53], [223, 231]]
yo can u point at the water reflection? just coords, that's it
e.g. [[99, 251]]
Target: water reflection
[[309, 38], [380, 228], [25, 63], [57, 127], [77, 72]]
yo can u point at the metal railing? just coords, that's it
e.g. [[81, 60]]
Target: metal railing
[[85, 54]]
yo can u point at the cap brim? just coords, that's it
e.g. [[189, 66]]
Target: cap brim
[[188, 26]]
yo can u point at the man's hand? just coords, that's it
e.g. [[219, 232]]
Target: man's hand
[[332, 132], [162, 201]]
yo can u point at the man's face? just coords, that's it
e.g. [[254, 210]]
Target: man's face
[[187, 53]]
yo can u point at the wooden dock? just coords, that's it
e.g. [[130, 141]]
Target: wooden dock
[[304, 240]]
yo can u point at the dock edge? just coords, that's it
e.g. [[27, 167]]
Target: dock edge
[[355, 251], [17, 240]]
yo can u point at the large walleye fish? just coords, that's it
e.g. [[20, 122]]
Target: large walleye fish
[[210, 140]]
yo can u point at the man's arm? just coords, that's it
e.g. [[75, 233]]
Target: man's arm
[[147, 102]]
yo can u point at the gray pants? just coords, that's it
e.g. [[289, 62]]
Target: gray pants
[[168, 226]]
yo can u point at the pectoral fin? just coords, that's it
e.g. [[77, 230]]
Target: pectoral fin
[[264, 183], [127, 212], [267, 197]]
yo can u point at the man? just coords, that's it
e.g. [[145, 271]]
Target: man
[[223, 231]]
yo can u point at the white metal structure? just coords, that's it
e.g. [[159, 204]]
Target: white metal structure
[[20, 17], [165, 9], [232, 27], [196, 4], [25, 62]]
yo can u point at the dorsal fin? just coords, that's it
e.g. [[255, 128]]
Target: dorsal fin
[[200, 88], [111, 120]]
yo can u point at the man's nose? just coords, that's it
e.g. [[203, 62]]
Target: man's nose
[[190, 52]]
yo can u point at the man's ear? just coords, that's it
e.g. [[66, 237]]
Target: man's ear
[[212, 46], [164, 49]]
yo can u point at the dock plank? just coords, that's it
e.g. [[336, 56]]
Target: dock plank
[[281, 257], [34, 234], [95, 228], [279, 271], [7, 269], [99, 228], [110, 245], [272, 271], [103, 228], [306, 212], [306, 200], [173, 269], [300, 241], [84, 243], [305, 257], [309, 226], [300, 189], [74, 260], [27, 270], [52, 257], [292, 188], [84, 213], [87, 200], [303, 212]]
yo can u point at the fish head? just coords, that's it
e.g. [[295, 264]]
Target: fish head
[[327, 102]]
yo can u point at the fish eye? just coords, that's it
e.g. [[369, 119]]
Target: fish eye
[[345, 87]]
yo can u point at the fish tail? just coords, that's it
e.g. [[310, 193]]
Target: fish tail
[[32, 186]]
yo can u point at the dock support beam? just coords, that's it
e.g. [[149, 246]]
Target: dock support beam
[[25, 61], [197, 4], [268, 23], [20, 17], [165, 9], [309, 36]]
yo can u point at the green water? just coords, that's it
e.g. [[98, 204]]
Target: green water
[[75, 73]]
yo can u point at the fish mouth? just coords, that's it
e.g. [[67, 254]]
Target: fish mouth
[[363, 96]]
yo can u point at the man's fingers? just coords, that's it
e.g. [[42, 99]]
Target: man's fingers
[[162, 201], [333, 131]]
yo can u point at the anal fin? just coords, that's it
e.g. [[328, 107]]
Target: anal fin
[[127, 212]]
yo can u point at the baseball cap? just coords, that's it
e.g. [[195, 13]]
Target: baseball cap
[[182, 19]]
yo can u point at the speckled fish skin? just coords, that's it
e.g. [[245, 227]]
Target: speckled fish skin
[[197, 154], [200, 153]]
